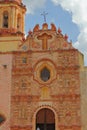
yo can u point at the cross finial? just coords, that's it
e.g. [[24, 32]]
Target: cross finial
[[44, 15]]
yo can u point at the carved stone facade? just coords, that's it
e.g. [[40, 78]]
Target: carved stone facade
[[43, 79], [60, 93]]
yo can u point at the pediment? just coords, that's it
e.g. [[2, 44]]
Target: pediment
[[46, 39]]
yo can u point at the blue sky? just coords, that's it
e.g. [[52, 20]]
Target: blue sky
[[69, 15], [56, 15]]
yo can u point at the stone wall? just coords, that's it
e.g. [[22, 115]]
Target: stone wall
[[60, 93], [83, 75]]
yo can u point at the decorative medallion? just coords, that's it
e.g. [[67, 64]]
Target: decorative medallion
[[45, 72]]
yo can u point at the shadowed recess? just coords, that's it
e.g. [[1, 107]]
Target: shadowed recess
[[2, 119]]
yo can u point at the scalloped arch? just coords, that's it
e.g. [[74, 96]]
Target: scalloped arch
[[50, 107]]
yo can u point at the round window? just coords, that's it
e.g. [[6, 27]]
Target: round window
[[45, 74]]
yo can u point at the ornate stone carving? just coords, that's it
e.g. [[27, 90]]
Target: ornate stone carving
[[44, 37], [60, 93]]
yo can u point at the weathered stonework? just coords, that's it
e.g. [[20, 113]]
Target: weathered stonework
[[23, 91], [61, 92]]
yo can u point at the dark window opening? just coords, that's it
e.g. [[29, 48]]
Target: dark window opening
[[5, 20], [45, 74], [2, 119]]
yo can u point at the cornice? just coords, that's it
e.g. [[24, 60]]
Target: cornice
[[12, 3]]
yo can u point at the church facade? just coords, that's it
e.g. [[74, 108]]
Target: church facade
[[42, 77]]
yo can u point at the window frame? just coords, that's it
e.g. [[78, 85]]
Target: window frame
[[43, 75]]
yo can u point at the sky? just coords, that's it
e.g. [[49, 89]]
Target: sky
[[69, 15]]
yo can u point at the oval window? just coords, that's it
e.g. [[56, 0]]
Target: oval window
[[45, 74]]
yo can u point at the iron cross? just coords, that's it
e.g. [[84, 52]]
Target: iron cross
[[44, 15]]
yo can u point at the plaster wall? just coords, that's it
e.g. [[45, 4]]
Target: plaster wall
[[5, 89], [9, 43]]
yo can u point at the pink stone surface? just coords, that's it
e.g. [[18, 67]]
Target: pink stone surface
[[5, 86]]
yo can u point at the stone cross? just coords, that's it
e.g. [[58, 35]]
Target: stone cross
[[44, 37], [44, 15]]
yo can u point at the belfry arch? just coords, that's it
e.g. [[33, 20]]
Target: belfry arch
[[5, 19], [19, 22]]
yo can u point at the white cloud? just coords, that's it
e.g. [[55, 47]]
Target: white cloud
[[32, 5], [79, 16]]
